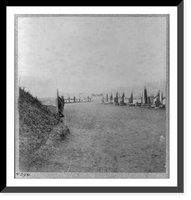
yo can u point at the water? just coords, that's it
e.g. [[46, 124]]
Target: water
[[109, 138]]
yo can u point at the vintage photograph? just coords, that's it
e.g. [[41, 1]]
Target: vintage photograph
[[92, 95]]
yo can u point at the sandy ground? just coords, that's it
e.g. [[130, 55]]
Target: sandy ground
[[102, 140]]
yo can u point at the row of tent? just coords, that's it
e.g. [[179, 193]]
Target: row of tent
[[60, 102], [144, 99], [75, 100]]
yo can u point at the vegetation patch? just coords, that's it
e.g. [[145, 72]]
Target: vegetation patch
[[36, 124]]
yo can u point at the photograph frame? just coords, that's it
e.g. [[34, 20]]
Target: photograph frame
[[180, 137]]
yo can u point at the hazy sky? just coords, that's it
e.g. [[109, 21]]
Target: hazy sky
[[90, 54]]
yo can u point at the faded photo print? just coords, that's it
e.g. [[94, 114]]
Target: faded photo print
[[91, 96]]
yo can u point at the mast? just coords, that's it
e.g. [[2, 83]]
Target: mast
[[141, 99], [57, 101], [123, 96], [131, 98], [145, 95], [158, 93], [107, 98], [161, 97], [116, 97], [111, 97]]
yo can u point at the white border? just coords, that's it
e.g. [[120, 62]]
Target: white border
[[172, 181]]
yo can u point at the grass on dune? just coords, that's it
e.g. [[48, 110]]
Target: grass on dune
[[35, 125]]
